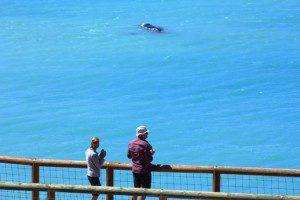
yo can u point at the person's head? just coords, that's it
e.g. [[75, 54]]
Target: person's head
[[95, 142], [142, 132]]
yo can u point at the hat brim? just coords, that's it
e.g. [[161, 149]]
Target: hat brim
[[138, 134]]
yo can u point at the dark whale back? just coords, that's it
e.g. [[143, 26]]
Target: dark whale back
[[151, 27]]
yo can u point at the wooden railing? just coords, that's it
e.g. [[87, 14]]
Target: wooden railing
[[216, 171], [51, 189]]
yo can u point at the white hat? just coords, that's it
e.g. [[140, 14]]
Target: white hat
[[141, 130]]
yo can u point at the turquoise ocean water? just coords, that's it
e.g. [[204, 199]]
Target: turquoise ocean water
[[219, 87]]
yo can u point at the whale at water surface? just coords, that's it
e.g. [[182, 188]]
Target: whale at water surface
[[151, 27]]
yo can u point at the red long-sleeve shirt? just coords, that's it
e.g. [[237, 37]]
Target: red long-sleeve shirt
[[139, 152]]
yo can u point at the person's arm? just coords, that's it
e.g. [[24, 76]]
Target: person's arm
[[148, 154], [97, 161], [102, 156], [129, 154], [101, 160]]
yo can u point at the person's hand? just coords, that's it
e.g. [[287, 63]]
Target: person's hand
[[102, 153], [152, 151]]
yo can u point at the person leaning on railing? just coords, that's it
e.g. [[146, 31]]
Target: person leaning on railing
[[94, 163], [141, 153]]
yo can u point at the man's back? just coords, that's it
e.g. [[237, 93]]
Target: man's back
[[139, 152]]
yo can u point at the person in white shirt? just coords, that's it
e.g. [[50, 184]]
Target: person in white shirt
[[94, 163]]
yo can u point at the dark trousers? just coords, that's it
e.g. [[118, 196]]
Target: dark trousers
[[94, 181], [142, 180]]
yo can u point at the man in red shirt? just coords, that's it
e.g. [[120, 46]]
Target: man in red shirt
[[141, 153]]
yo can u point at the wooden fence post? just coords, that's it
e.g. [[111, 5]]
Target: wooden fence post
[[35, 179], [161, 197], [50, 195], [216, 181], [109, 180]]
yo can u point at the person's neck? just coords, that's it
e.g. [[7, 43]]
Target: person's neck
[[93, 148]]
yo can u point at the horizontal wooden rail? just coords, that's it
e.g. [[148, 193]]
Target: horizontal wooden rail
[[158, 168], [139, 191]]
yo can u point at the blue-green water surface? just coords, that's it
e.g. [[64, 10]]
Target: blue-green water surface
[[219, 87]]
